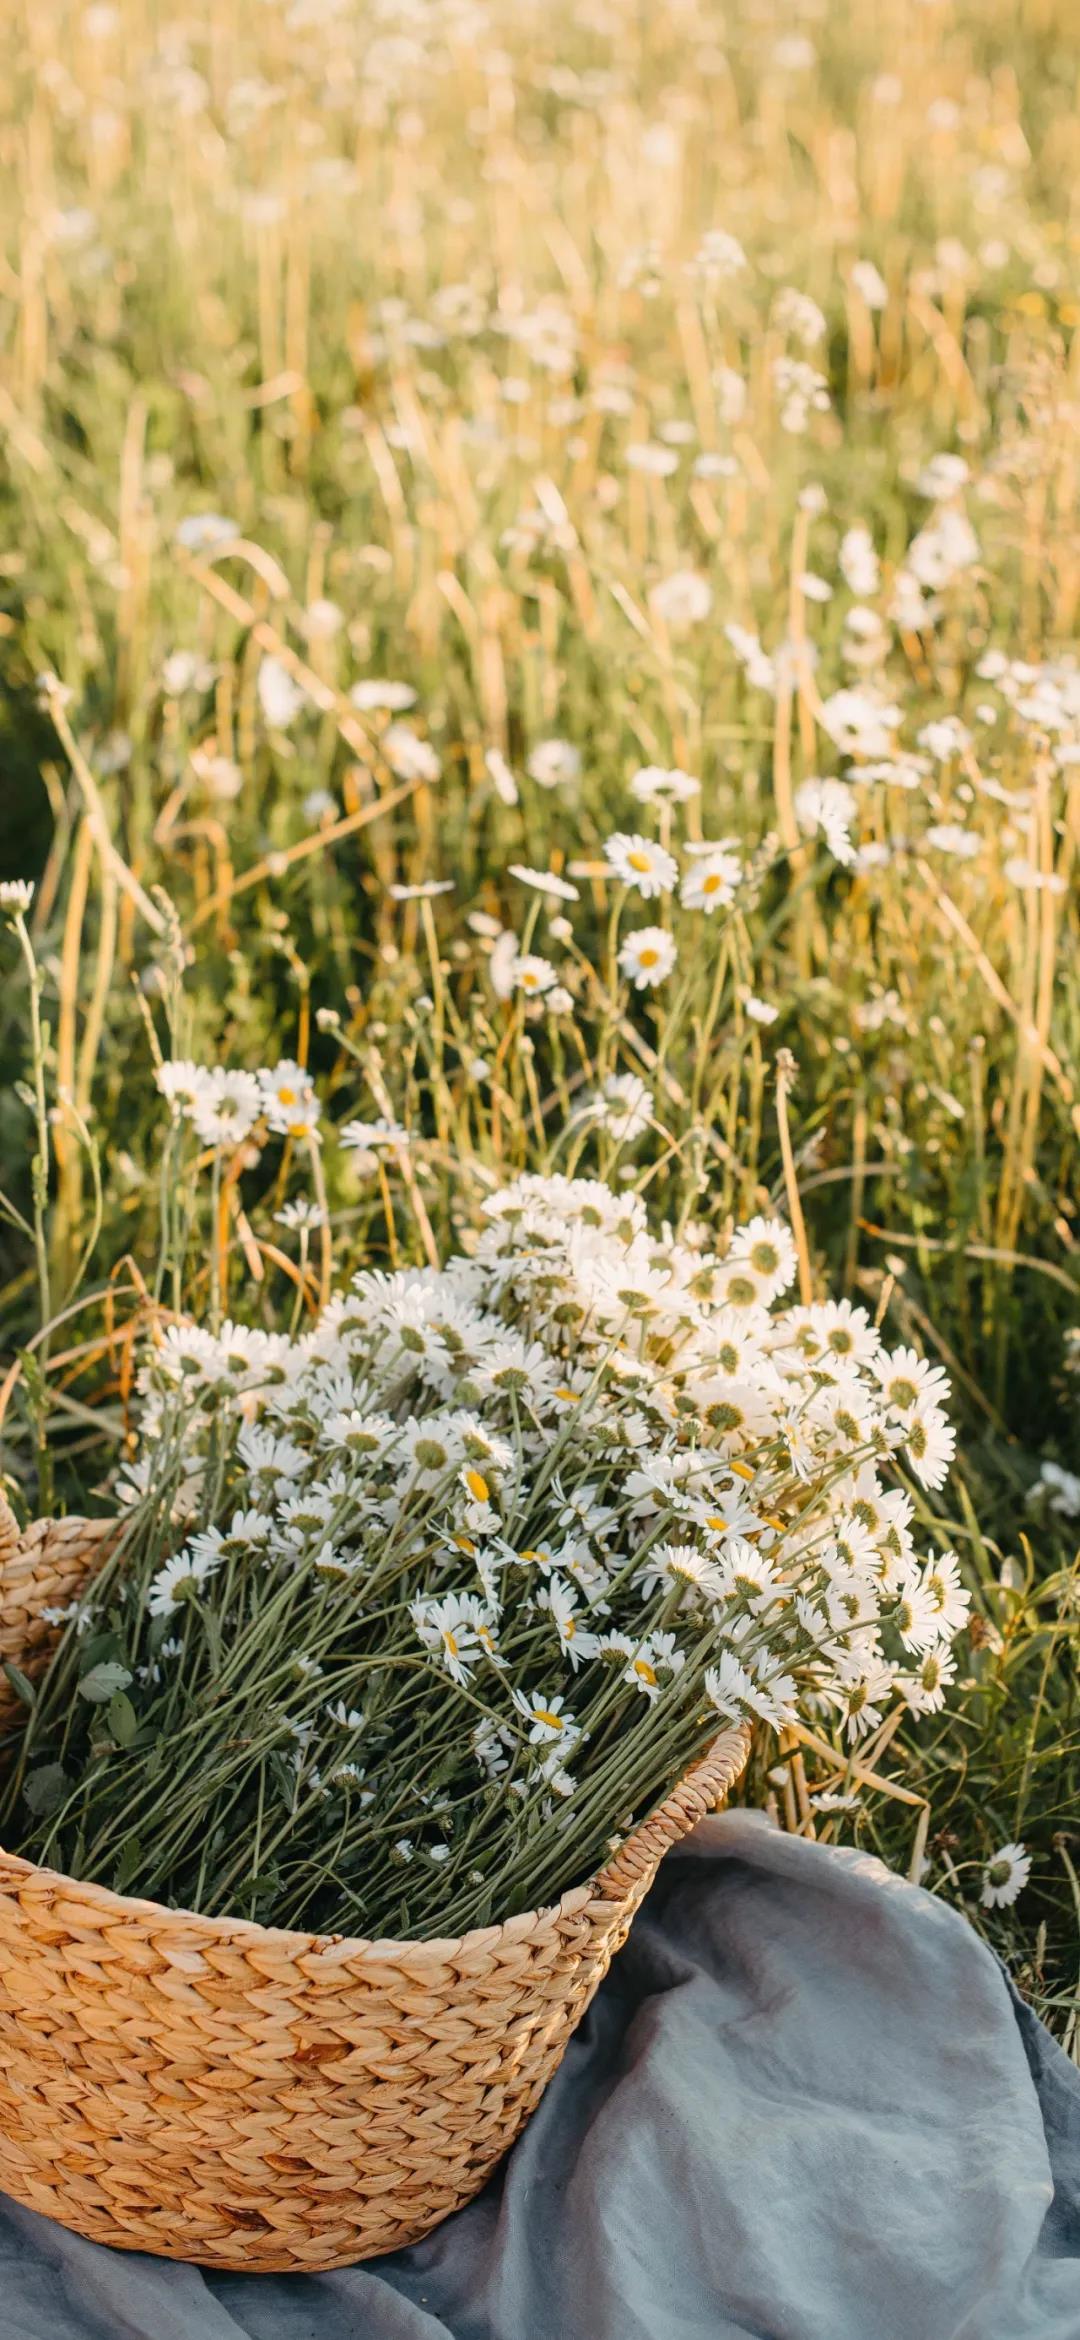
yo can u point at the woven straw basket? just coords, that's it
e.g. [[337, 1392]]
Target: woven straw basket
[[231, 2094]]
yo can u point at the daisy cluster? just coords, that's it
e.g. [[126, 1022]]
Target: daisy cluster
[[478, 1566]]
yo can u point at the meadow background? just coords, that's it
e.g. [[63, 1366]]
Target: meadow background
[[690, 388]]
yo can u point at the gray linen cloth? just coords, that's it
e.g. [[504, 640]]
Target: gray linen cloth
[[806, 2105]]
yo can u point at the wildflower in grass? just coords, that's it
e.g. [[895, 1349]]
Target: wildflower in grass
[[930, 1443], [226, 1106], [640, 863], [943, 476], [944, 738], [1062, 1489], [554, 763], [949, 1599], [860, 723], [865, 1691], [181, 1081], [661, 784], [289, 1100], [952, 838], [377, 697], [796, 314], [826, 808], [622, 1107], [869, 283], [657, 462], [426, 890], [366, 1137], [205, 532], [714, 874], [859, 565], [504, 954], [760, 1011], [925, 1689], [908, 1381], [647, 956], [532, 974], [544, 881], [801, 391], [681, 600], [409, 756], [917, 1616], [1005, 1876], [942, 551], [219, 775], [16, 895], [719, 257], [501, 776], [767, 1248], [280, 695], [1023, 873]]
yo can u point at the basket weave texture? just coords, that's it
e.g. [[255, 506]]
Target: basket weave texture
[[242, 2097]]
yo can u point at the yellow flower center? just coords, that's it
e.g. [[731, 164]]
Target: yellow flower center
[[638, 861], [286, 1096], [477, 1486], [544, 1714], [646, 1671], [711, 884], [717, 1521], [649, 958]]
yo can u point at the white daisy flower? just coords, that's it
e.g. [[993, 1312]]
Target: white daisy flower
[[647, 956], [1005, 1876], [826, 808], [549, 1719], [640, 863], [554, 763], [681, 600], [658, 784], [545, 881], [532, 975], [711, 881]]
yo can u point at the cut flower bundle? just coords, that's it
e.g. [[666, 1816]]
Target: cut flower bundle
[[411, 1618]]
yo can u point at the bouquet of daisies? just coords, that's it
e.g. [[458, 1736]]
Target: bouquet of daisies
[[412, 1618]]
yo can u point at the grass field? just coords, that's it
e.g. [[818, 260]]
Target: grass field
[[419, 422]]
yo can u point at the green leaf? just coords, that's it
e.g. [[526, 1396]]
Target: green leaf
[[122, 1719], [127, 1865], [95, 1647], [103, 1681], [23, 1688], [44, 1790]]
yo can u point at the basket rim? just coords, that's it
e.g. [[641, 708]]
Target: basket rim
[[710, 1777]]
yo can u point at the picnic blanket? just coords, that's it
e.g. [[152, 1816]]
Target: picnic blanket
[[806, 2105]]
